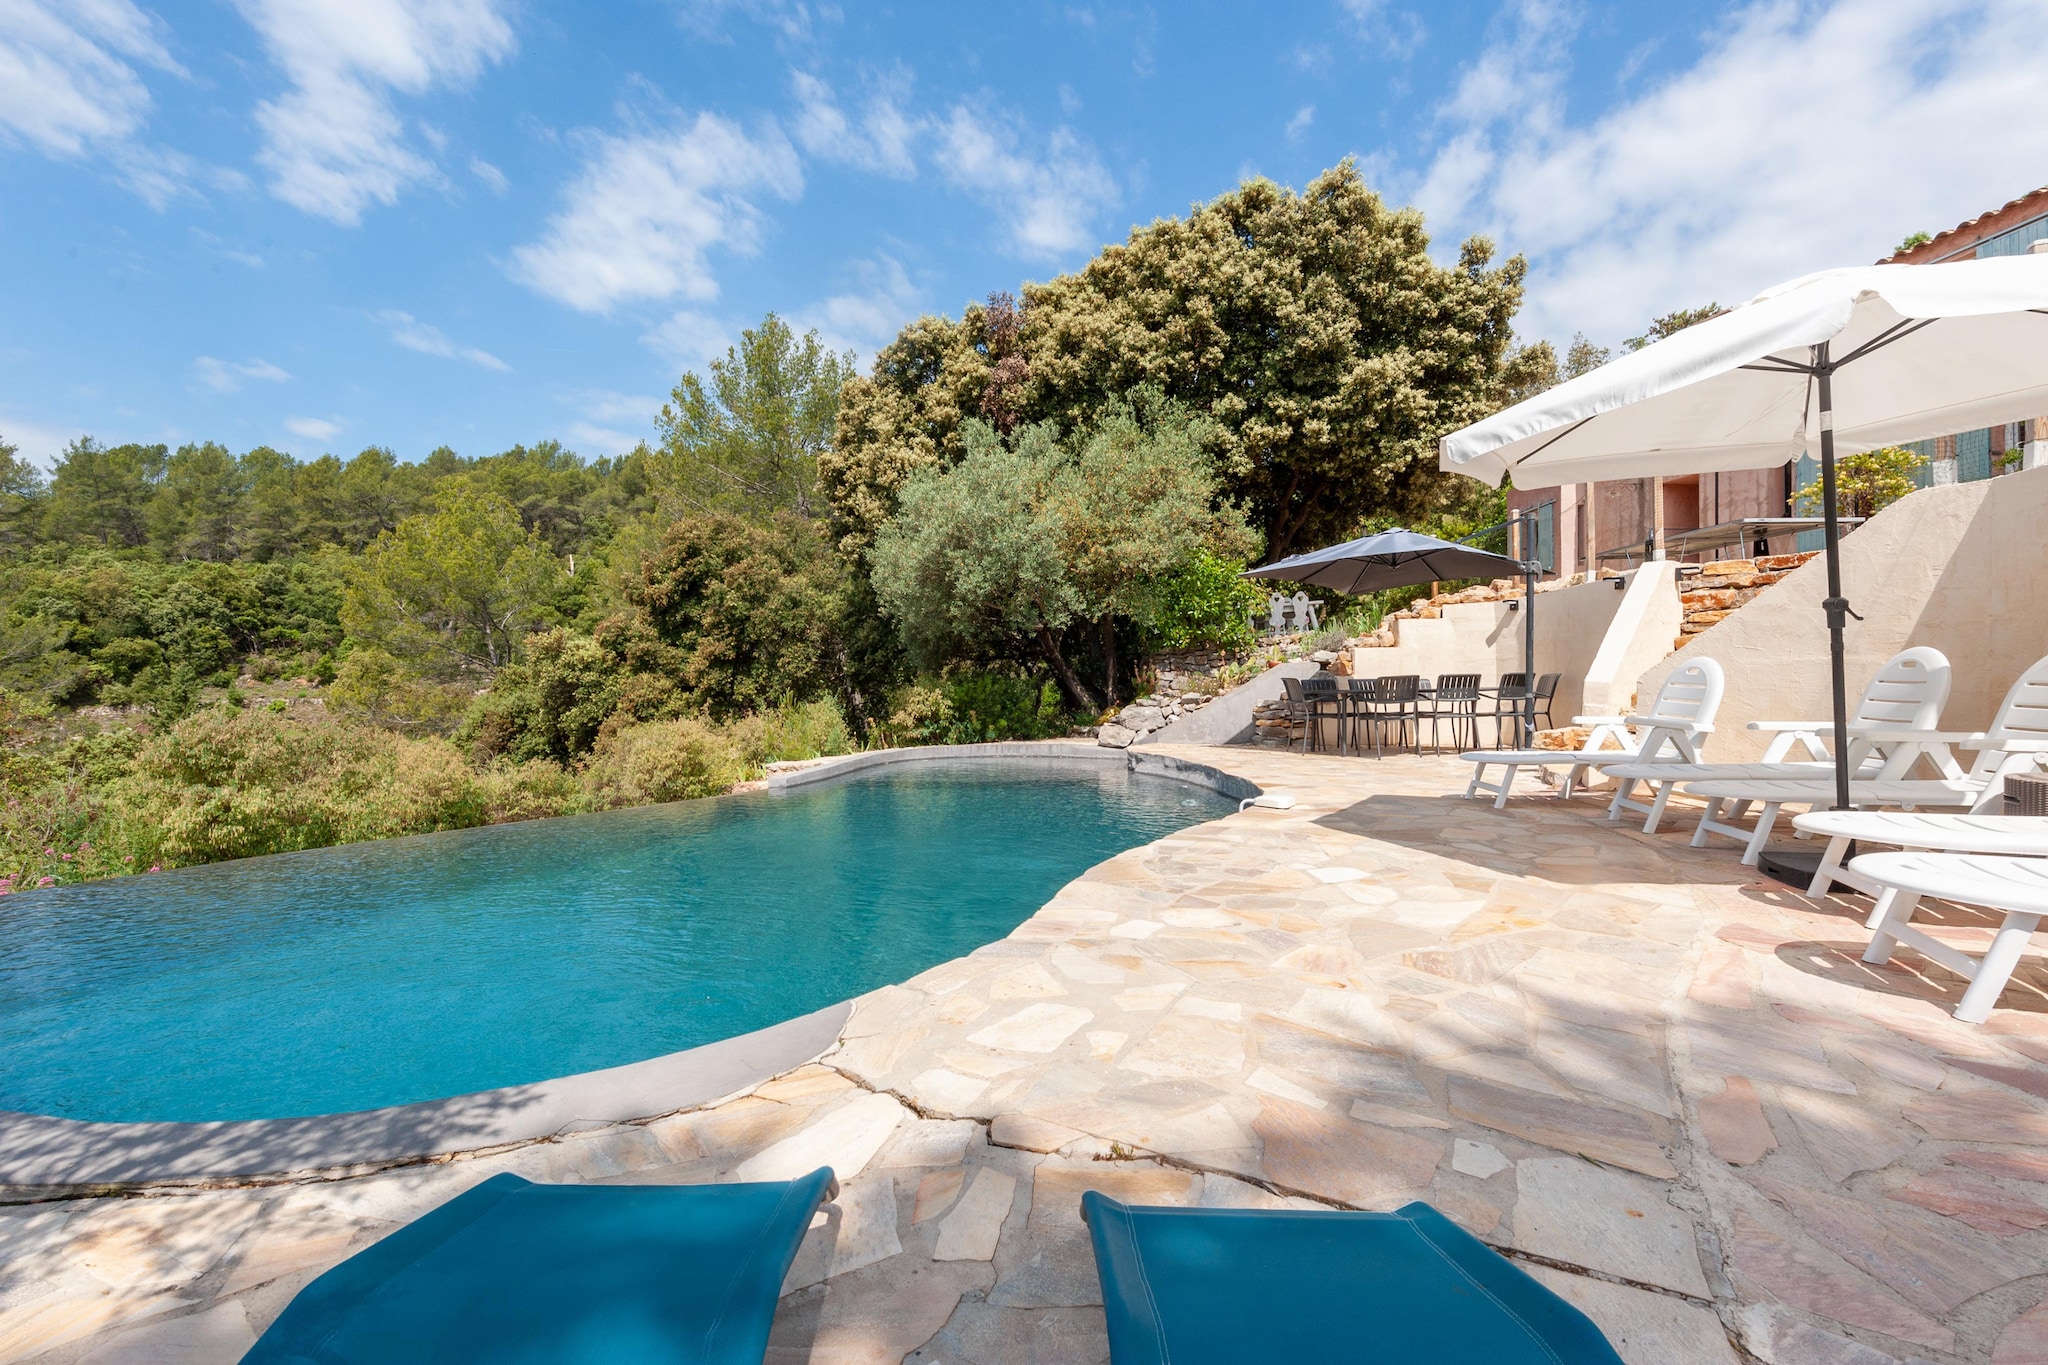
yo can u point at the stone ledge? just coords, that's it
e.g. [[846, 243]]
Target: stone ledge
[[1061, 750]]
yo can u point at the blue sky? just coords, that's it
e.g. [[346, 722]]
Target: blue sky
[[325, 224]]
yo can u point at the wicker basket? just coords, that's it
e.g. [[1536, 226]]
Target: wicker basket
[[2026, 795]]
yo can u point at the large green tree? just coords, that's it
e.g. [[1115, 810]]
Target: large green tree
[[23, 493], [749, 443], [199, 510], [1315, 329], [1137, 501], [972, 557], [1026, 536], [100, 495], [453, 590]]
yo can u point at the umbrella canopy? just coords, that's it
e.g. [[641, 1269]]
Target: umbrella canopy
[[1912, 351], [1391, 559], [1847, 360]]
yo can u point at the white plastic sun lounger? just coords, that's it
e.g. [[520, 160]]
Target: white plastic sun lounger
[[2017, 742], [1891, 731], [2018, 886], [1771, 795], [2005, 835], [1674, 731]]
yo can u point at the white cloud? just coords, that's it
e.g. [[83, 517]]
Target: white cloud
[[790, 19], [69, 88], [37, 441], [1048, 202], [415, 335], [1803, 138], [226, 376], [1304, 118], [489, 174], [869, 316], [882, 140], [334, 144], [312, 428], [590, 438], [648, 208], [605, 412], [64, 83], [609, 405], [689, 339]]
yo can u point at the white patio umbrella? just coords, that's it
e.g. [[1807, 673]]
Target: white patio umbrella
[[1843, 360]]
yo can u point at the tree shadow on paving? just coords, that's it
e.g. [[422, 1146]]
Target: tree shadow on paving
[[1912, 976], [1571, 844], [1908, 974]]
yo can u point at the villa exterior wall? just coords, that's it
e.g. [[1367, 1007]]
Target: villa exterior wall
[[1958, 567], [1605, 516], [1573, 627]]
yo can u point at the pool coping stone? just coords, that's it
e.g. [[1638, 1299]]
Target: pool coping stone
[[1153, 764]]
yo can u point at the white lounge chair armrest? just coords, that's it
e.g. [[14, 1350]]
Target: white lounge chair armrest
[[1599, 720], [1770, 725], [1906, 734], [1671, 723], [2010, 746]]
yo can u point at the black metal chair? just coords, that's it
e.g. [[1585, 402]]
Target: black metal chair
[[1396, 700], [1320, 693], [1297, 712], [1508, 700], [1456, 699], [1546, 696], [1357, 697]]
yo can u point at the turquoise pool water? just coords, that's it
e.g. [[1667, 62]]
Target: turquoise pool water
[[374, 974]]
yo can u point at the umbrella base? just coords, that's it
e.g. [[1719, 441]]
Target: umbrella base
[[1792, 866]]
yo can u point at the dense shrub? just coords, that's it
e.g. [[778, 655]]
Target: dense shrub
[[744, 615], [371, 685], [669, 760], [549, 706], [1204, 603], [811, 730], [976, 706], [231, 784]]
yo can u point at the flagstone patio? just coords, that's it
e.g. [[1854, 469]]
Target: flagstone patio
[[1669, 1090]]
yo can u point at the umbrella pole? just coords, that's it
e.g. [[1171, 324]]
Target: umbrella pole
[[1528, 628], [1836, 606]]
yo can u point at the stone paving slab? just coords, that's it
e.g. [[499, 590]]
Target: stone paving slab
[[1672, 1091]]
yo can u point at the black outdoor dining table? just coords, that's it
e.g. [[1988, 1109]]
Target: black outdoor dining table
[[1352, 704]]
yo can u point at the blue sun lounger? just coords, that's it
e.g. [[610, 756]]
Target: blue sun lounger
[[1227, 1286], [512, 1271]]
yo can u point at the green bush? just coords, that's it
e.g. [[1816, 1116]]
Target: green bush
[[232, 784], [1204, 604], [371, 685], [669, 760], [812, 730], [976, 706], [549, 706]]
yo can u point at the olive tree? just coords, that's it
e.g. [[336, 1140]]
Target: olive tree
[[1029, 535]]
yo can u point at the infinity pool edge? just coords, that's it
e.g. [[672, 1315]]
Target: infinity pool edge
[[43, 1156]]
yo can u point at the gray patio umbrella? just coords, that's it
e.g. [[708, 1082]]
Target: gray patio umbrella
[[1390, 559], [1400, 559]]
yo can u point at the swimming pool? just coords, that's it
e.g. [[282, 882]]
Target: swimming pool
[[408, 969]]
